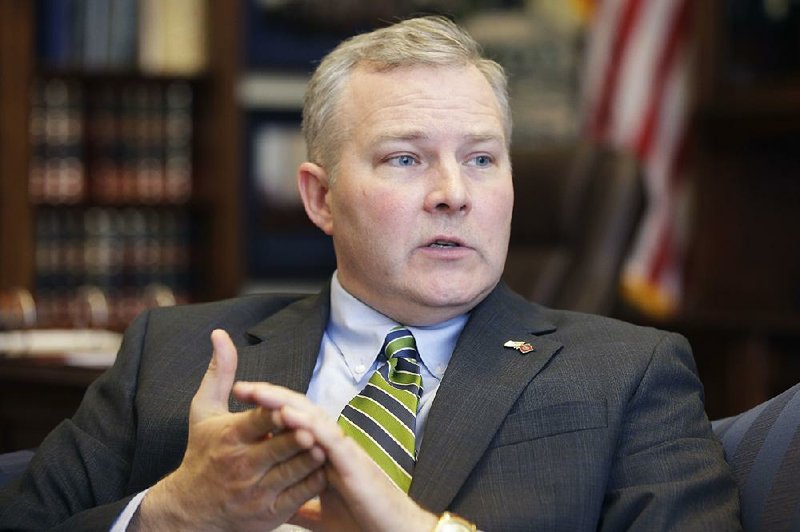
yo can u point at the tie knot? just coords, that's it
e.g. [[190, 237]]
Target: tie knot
[[399, 343]]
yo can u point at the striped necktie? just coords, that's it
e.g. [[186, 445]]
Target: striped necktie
[[383, 416]]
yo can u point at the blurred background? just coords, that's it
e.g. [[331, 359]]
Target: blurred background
[[148, 152]]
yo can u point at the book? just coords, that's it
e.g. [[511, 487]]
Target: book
[[172, 36]]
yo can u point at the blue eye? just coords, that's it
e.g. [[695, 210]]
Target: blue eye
[[482, 161], [403, 160]]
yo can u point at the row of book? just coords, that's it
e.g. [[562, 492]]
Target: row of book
[[113, 249], [91, 307], [111, 141], [153, 36]]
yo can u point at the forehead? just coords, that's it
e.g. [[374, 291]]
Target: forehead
[[421, 99]]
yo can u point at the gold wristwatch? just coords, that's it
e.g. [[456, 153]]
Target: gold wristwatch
[[450, 522]]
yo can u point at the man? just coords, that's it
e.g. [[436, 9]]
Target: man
[[526, 417]]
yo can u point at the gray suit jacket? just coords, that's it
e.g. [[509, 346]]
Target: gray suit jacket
[[602, 426]]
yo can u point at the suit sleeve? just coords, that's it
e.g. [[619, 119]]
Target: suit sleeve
[[79, 477], [669, 471]]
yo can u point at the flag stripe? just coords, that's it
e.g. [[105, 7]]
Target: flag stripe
[[669, 54], [637, 98], [598, 55], [627, 18], [637, 72]]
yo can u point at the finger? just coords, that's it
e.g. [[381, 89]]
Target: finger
[[369, 495], [286, 473], [292, 498], [215, 388], [324, 430], [277, 399], [269, 396], [282, 447], [303, 415], [344, 454], [258, 423]]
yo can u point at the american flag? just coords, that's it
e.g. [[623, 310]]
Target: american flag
[[637, 98]]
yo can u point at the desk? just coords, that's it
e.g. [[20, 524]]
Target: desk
[[35, 396]]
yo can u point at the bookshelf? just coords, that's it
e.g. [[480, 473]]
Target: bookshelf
[[748, 119], [16, 68], [282, 44], [99, 145], [742, 312]]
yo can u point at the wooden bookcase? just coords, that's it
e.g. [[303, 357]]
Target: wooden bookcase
[[216, 263], [742, 311], [16, 216]]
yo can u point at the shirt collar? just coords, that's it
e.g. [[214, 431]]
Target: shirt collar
[[358, 331]]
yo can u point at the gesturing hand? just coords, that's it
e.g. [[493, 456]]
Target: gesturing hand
[[360, 495], [240, 471]]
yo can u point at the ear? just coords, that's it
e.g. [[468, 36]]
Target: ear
[[312, 180]]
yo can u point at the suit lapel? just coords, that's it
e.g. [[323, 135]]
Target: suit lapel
[[286, 345], [481, 384]]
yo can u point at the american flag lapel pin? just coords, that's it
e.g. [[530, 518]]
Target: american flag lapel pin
[[522, 347]]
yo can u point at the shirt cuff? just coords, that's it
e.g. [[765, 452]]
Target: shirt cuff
[[124, 519]]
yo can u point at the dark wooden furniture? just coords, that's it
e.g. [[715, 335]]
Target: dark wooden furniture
[[217, 152], [35, 396]]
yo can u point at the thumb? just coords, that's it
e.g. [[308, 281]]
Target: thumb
[[212, 396]]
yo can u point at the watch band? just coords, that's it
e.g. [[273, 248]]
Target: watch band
[[450, 522]]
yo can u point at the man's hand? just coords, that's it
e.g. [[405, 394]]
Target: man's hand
[[240, 471], [360, 495]]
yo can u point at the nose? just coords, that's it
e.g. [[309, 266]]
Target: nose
[[449, 191]]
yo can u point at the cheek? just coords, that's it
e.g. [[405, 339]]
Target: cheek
[[385, 210], [499, 205], [370, 220]]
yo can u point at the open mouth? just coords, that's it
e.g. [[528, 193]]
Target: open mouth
[[444, 244]]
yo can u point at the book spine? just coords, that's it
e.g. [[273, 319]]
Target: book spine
[[96, 34], [172, 36], [57, 139], [178, 138], [123, 24], [53, 32]]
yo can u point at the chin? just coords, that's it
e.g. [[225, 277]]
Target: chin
[[455, 294]]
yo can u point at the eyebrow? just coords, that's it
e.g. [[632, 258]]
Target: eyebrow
[[485, 137], [421, 135], [400, 136]]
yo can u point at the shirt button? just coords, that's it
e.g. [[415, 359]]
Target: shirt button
[[440, 370], [361, 368]]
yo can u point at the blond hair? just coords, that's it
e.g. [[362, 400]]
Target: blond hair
[[430, 40]]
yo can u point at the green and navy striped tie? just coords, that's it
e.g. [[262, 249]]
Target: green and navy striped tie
[[383, 417]]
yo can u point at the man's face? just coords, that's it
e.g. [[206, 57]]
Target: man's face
[[420, 210]]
